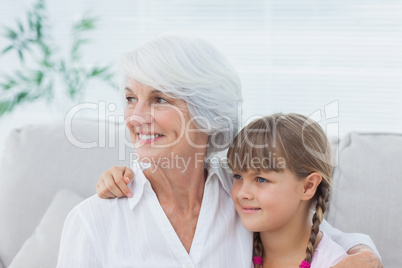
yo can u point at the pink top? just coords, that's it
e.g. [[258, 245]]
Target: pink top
[[327, 253]]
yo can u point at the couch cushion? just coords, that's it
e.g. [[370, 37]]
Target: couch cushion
[[41, 249], [366, 197], [40, 160]]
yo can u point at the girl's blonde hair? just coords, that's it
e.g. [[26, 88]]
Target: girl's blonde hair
[[286, 141]]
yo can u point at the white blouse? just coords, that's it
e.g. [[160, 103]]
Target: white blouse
[[135, 232]]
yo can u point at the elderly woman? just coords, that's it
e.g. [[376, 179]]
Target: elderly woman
[[181, 111]]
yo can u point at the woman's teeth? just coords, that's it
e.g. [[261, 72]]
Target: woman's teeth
[[149, 137]]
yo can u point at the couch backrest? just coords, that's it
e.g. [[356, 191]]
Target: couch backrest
[[367, 194], [39, 161]]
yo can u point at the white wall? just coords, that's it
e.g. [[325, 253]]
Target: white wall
[[293, 56]]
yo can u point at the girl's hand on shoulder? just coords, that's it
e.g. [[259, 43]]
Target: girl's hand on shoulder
[[360, 256], [113, 182]]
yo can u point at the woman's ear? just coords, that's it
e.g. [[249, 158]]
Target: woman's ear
[[310, 185]]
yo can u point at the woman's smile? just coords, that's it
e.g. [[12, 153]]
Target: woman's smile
[[145, 138]]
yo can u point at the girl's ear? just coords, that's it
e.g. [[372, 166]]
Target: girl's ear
[[310, 185]]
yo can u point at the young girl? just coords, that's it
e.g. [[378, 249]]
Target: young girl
[[282, 167]]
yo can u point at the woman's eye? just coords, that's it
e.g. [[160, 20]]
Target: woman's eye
[[237, 177], [262, 180], [161, 100], [130, 99]]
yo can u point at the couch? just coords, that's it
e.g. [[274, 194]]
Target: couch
[[48, 169]]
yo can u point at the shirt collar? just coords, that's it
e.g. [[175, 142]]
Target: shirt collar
[[216, 165], [138, 184]]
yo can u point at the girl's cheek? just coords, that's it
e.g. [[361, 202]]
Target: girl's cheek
[[235, 190]]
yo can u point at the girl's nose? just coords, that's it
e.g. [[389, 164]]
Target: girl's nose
[[245, 191]]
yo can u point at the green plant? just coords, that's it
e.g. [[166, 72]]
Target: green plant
[[32, 40]]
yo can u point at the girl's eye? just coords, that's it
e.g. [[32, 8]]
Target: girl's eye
[[237, 177], [161, 100], [262, 180]]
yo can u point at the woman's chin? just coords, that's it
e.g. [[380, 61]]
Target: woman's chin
[[150, 156]]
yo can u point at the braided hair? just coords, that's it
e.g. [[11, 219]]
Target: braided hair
[[258, 248], [322, 197]]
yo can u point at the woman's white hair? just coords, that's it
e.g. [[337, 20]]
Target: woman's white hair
[[193, 70]]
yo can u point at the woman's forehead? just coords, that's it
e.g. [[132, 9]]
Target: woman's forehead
[[135, 86], [148, 91]]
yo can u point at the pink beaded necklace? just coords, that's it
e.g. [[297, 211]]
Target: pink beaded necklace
[[258, 261]]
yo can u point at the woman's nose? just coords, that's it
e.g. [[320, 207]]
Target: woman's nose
[[140, 115]]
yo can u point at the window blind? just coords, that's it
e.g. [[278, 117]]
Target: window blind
[[292, 56]]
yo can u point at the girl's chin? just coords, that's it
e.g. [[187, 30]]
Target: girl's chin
[[252, 226]]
